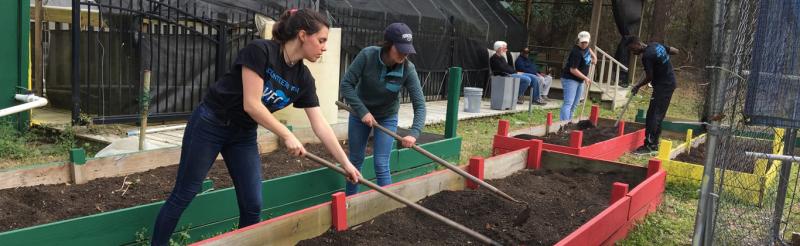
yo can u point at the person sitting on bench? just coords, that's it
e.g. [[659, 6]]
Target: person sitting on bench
[[527, 67], [503, 67]]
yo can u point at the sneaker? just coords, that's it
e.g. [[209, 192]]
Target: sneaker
[[646, 150], [539, 102], [520, 101]]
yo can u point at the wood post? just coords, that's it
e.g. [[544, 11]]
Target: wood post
[[475, 168], [689, 141], [653, 166], [664, 149], [621, 128], [594, 115], [502, 128], [576, 139], [145, 102], [77, 158], [535, 154], [549, 123], [339, 211], [453, 94], [618, 191]]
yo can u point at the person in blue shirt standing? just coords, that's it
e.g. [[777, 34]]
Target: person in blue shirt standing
[[575, 74], [525, 65], [658, 73], [372, 86]]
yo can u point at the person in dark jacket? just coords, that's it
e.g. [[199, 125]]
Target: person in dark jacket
[[658, 73], [502, 65], [528, 67]]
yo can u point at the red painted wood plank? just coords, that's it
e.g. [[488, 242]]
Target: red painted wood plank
[[475, 168], [601, 227], [646, 192], [339, 211]]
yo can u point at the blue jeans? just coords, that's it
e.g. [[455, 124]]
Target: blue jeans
[[357, 135], [204, 138], [528, 80], [572, 97]]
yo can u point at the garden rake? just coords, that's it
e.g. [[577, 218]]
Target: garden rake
[[521, 218], [439, 217]]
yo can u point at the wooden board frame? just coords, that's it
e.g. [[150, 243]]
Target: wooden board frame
[[607, 227]]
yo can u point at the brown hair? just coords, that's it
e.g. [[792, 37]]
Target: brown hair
[[292, 21]]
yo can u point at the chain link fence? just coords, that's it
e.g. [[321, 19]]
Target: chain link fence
[[752, 107]]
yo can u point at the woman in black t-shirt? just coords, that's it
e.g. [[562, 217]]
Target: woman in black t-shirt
[[267, 76], [575, 74]]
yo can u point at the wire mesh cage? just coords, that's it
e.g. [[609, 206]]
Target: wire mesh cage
[[753, 108]]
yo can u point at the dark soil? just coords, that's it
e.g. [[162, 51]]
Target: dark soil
[[734, 156], [591, 134], [560, 201], [28, 206]]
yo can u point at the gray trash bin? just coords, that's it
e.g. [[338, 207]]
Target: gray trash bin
[[472, 99], [504, 92]]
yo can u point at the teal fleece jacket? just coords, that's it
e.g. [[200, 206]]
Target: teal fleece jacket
[[371, 87]]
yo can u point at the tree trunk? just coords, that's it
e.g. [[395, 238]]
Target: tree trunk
[[660, 20]]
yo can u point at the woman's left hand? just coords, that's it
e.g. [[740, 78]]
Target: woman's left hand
[[409, 141], [353, 175]]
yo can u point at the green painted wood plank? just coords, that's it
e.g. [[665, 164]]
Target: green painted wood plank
[[281, 195], [443, 148]]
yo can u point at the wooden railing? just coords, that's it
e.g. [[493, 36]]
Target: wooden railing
[[607, 79]]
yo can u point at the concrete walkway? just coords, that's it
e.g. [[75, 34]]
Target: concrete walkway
[[436, 111]]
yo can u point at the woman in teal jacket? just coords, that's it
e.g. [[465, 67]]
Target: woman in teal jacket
[[372, 86]]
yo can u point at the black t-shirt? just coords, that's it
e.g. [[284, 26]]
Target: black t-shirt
[[577, 58], [283, 85], [655, 59]]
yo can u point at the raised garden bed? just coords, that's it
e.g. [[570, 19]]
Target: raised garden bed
[[572, 198], [746, 180], [595, 138], [290, 184], [671, 125]]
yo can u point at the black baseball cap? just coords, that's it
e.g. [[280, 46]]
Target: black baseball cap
[[400, 35]]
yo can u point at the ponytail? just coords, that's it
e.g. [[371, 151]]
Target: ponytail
[[292, 21]]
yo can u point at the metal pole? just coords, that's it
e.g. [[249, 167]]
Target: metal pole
[[38, 84], [145, 101], [703, 233], [75, 30], [783, 183], [402, 200]]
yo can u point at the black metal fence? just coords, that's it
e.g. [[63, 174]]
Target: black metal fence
[[436, 42], [187, 46]]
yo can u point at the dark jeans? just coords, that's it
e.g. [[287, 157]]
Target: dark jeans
[[205, 137], [659, 103]]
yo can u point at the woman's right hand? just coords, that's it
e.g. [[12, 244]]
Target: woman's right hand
[[294, 146], [368, 120]]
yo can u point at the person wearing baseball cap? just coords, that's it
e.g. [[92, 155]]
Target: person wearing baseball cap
[[371, 85], [575, 74]]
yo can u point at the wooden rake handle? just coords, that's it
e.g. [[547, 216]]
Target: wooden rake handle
[[445, 220], [441, 161]]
